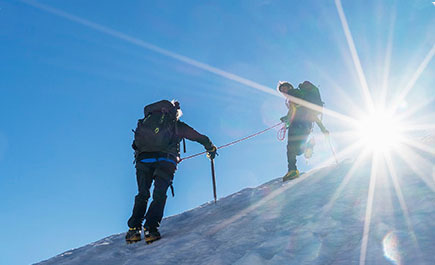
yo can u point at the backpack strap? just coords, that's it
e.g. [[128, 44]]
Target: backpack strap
[[176, 133], [172, 189], [293, 108]]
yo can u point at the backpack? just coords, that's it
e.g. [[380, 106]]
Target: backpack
[[157, 130], [311, 94]]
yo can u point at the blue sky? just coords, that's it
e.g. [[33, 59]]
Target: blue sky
[[75, 76]]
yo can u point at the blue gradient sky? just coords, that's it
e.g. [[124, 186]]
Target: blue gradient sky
[[71, 91]]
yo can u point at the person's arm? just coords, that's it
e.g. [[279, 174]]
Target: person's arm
[[133, 145], [321, 126], [288, 119], [185, 131]]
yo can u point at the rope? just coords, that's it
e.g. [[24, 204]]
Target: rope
[[281, 133], [233, 142]]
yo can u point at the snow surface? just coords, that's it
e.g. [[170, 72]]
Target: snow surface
[[316, 219]]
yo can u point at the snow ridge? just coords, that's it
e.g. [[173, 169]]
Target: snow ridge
[[286, 223]]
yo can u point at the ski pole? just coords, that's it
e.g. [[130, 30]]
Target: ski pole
[[214, 179], [332, 148]]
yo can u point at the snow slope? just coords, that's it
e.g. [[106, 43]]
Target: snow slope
[[316, 219]]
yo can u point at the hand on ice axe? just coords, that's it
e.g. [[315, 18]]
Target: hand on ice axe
[[212, 152]]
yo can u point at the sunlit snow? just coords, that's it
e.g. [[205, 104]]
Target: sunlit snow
[[316, 219]]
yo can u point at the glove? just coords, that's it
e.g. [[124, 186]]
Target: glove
[[212, 152], [285, 120]]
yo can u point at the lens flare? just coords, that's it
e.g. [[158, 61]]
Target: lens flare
[[390, 245]]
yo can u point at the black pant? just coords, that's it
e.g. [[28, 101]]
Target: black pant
[[162, 173], [298, 133]]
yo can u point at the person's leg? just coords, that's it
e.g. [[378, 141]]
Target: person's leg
[[296, 140], [163, 177], [144, 177], [291, 156], [301, 143], [157, 206]]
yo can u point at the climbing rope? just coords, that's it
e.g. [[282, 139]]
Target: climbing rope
[[233, 142], [281, 133]]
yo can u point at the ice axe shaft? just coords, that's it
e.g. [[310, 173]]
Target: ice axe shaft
[[332, 148], [214, 180]]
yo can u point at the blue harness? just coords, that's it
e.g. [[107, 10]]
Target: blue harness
[[159, 159]]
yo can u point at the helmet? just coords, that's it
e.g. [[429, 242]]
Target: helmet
[[284, 86]]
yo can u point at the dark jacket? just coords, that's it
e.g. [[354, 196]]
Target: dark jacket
[[300, 116], [173, 151]]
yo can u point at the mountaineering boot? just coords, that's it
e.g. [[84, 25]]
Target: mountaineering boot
[[292, 174], [309, 149], [151, 234], [133, 235]]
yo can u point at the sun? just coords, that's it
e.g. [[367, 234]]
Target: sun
[[379, 131], [386, 131]]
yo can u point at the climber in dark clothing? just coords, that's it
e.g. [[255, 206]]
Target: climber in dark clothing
[[158, 166], [299, 121]]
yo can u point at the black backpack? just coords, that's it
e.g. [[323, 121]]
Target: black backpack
[[311, 94], [157, 130]]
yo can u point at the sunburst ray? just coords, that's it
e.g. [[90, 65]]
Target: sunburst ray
[[419, 127], [417, 165], [369, 208], [362, 79], [419, 145], [182, 58], [149, 46], [387, 62], [398, 190], [346, 99], [416, 108], [345, 181], [342, 153], [413, 79]]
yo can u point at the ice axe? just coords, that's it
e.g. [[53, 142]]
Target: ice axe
[[213, 176], [332, 147]]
